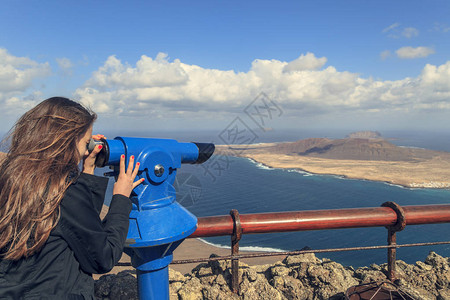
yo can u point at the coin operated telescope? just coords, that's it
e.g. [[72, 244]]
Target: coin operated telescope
[[158, 224]]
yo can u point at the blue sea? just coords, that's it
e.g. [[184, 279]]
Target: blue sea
[[226, 183]]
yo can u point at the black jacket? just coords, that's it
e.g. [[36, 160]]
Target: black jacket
[[79, 245]]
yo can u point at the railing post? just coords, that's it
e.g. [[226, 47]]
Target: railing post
[[392, 237], [392, 254], [235, 237]]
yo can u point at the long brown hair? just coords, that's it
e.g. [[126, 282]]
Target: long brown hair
[[38, 168]]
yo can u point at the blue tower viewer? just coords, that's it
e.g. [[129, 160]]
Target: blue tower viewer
[[158, 224]]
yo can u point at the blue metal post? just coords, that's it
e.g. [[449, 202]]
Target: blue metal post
[[153, 284]]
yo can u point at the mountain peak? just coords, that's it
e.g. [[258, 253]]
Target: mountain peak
[[364, 135]]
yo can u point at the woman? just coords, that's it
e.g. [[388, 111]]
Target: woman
[[51, 236]]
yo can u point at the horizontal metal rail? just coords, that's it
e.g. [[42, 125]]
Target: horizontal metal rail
[[321, 220]]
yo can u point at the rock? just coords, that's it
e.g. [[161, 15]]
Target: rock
[[214, 292], [291, 288], [437, 261], [296, 277], [192, 290], [302, 258], [423, 266], [219, 266], [367, 275], [279, 271], [175, 276], [251, 274], [261, 268], [259, 289], [176, 282], [120, 286], [329, 279], [443, 295]]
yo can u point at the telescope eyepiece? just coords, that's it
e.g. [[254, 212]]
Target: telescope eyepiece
[[93, 143], [102, 157]]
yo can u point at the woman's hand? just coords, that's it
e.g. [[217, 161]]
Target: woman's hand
[[125, 182], [89, 159], [98, 137]]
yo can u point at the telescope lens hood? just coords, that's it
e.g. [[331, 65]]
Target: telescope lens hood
[[205, 150]]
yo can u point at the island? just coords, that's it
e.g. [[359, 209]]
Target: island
[[360, 155]]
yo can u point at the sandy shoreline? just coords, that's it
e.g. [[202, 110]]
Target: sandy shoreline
[[434, 173], [195, 248]]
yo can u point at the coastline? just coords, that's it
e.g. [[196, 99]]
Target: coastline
[[309, 173], [364, 170], [432, 173], [196, 248]]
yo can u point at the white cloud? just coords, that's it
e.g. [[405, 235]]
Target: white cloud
[[391, 27], [160, 87], [147, 73], [85, 60], [396, 31], [410, 32], [155, 87], [305, 62], [441, 27], [437, 79], [18, 73], [21, 104], [16, 77], [65, 65], [411, 52], [385, 54]]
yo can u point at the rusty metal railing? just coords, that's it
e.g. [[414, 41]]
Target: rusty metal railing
[[390, 215]]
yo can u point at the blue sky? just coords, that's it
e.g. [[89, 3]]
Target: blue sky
[[177, 64]]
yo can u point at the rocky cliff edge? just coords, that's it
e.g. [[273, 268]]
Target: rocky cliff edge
[[296, 277]]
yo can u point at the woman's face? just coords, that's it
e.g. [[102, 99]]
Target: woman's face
[[83, 143]]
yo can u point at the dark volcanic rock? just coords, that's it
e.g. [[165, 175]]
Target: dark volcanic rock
[[120, 286]]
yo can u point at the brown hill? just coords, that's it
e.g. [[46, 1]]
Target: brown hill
[[351, 148], [373, 149]]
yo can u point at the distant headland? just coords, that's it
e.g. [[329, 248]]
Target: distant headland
[[361, 155]]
